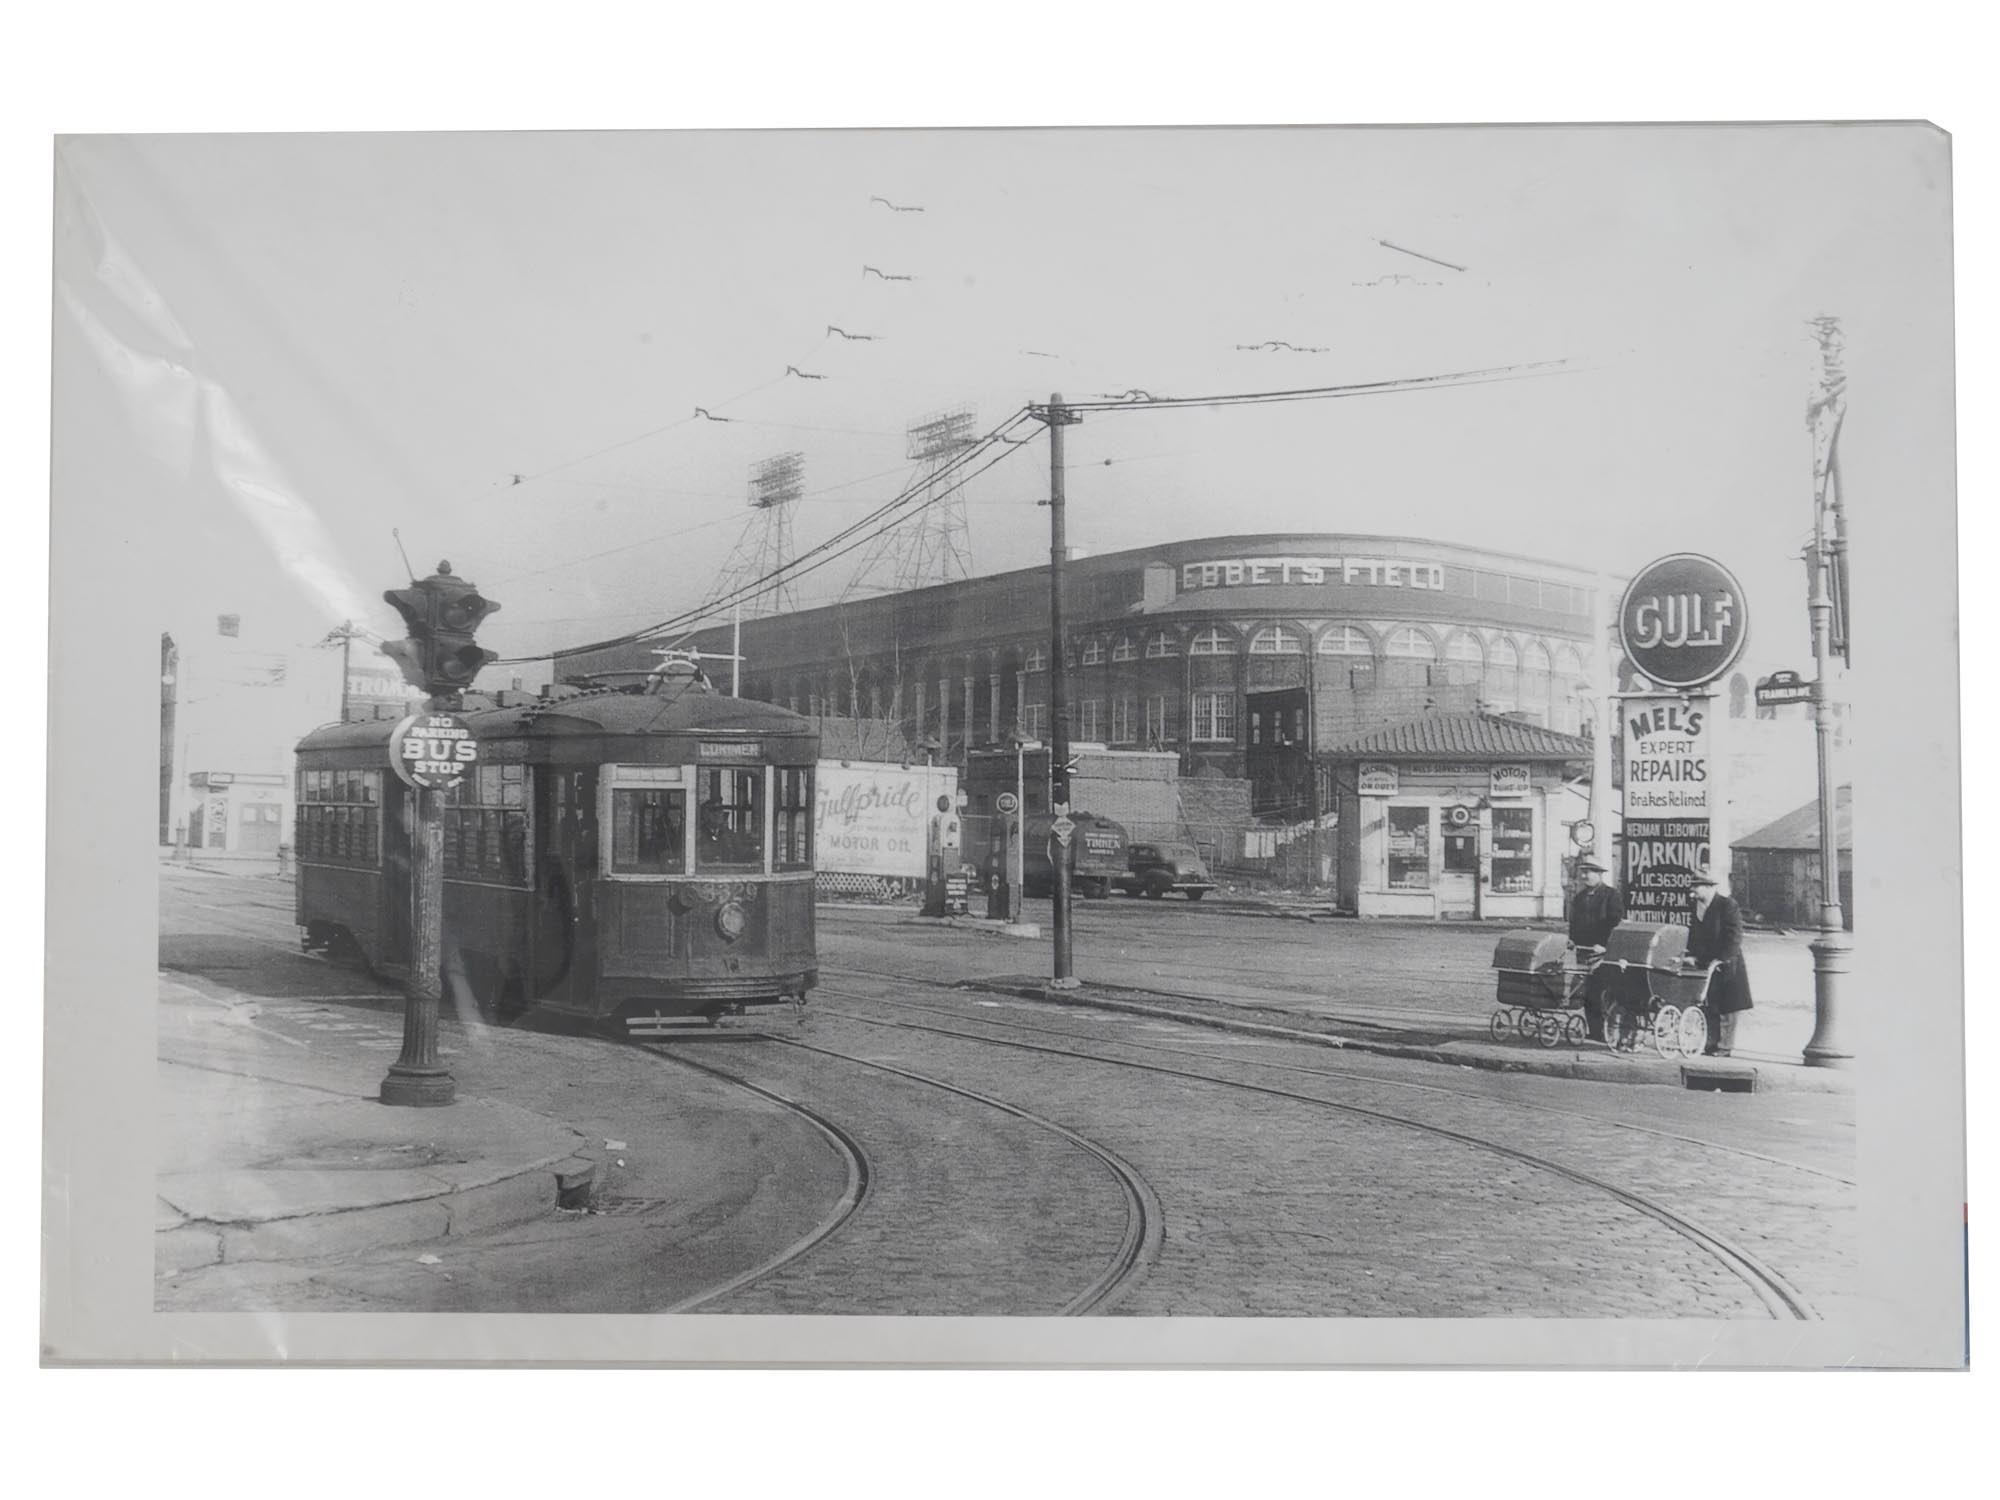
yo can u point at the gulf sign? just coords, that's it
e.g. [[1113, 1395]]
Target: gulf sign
[[432, 751], [1683, 621]]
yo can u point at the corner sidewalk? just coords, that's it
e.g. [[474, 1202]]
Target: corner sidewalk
[[270, 1149], [1248, 1009]]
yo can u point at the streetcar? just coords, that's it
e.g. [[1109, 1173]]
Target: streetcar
[[635, 855]]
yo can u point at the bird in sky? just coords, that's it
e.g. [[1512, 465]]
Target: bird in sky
[[795, 370], [518, 478], [897, 207], [885, 275], [1281, 344], [706, 415], [1038, 354], [863, 338]]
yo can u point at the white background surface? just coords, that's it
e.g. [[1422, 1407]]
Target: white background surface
[[115, 68]]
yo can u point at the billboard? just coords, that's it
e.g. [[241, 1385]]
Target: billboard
[[874, 819]]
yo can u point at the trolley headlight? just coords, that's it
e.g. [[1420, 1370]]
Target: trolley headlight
[[729, 921]]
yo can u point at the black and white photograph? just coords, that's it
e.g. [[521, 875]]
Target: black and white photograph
[[1025, 745]]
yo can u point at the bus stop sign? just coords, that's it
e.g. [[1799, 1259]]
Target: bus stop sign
[[1683, 621], [432, 751]]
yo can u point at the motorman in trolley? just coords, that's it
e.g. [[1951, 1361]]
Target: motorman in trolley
[[1594, 911]]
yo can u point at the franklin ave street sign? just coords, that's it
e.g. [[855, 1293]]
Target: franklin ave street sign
[[1783, 687], [1683, 621]]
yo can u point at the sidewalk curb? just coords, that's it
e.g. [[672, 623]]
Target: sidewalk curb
[[1658, 1073], [519, 1193]]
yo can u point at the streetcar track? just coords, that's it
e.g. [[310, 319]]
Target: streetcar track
[[860, 1177], [1370, 1079], [1779, 1297], [1145, 1222]]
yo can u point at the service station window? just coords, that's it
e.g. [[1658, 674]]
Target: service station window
[[1513, 849], [648, 830], [792, 821], [1409, 848], [729, 819]]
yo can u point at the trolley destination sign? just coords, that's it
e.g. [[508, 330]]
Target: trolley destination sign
[[432, 751]]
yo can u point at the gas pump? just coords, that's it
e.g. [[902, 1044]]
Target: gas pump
[[944, 886], [1003, 861]]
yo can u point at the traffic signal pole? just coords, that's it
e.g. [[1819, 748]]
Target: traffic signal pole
[[1057, 416], [439, 656], [418, 1076]]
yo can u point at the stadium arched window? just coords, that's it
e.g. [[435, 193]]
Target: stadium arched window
[[1124, 650], [1411, 644], [1162, 643], [1213, 642], [1275, 640], [1465, 660], [1346, 640]]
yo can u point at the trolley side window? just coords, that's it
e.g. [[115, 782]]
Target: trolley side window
[[729, 829], [792, 824], [339, 817], [648, 830], [486, 826]]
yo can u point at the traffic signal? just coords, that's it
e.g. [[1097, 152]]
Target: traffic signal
[[440, 614]]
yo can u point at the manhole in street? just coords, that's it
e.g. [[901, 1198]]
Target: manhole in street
[[626, 1207]]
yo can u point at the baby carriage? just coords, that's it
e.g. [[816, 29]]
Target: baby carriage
[[1540, 991], [1659, 994]]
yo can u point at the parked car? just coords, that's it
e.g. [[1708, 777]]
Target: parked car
[[1155, 869]]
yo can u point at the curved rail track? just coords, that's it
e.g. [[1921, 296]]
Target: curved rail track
[[1137, 1247], [860, 1173], [1779, 1297]]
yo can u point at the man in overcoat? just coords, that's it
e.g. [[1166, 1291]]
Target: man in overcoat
[[1716, 936], [1594, 910]]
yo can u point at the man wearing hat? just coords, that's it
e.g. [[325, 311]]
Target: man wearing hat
[[1715, 936], [1593, 911]]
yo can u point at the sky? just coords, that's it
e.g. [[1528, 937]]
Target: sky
[[277, 356]]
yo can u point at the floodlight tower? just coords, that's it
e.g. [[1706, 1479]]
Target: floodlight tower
[[935, 544], [765, 547]]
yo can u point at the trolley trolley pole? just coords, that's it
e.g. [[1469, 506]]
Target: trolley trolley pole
[[1057, 416], [431, 751]]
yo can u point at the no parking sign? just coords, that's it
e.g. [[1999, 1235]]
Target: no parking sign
[[433, 751]]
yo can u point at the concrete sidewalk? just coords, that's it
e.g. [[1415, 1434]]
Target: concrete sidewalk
[[270, 1149], [1428, 1038]]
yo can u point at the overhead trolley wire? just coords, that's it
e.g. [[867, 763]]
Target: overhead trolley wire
[[853, 536]]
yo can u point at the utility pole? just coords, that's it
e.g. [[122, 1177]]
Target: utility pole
[[1830, 950], [346, 664], [1057, 416]]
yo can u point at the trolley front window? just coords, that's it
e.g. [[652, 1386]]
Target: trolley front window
[[729, 831], [792, 823], [648, 831]]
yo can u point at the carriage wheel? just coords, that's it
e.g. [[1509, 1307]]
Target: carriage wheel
[[1693, 1031], [1574, 1030], [1501, 1026], [1548, 1028], [1666, 1030]]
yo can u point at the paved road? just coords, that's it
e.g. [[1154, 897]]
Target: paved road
[[1046, 1154]]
